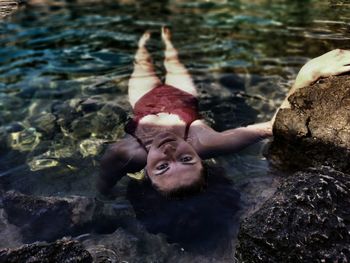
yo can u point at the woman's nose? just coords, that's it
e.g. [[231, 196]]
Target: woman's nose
[[168, 149]]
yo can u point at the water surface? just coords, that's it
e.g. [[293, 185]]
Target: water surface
[[64, 68]]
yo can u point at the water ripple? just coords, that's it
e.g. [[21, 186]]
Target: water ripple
[[64, 70]]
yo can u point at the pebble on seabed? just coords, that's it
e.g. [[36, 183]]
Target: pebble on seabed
[[25, 140]]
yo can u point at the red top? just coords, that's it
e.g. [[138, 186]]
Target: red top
[[168, 99]]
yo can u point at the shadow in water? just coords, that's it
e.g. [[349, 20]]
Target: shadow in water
[[201, 223]]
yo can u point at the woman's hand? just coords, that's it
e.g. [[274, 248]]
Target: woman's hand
[[332, 63]]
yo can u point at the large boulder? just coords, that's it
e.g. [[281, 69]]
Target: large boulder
[[307, 220], [308, 217], [47, 218], [316, 130]]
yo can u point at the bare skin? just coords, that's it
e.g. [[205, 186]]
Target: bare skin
[[171, 161]]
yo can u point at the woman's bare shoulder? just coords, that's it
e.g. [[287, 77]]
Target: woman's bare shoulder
[[198, 134], [199, 128], [200, 125]]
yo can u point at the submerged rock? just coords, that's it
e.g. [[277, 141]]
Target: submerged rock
[[40, 218], [90, 147], [14, 127], [316, 130], [107, 120], [89, 117], [102, 86], [221, 107], [44, 123], [81, 127], [47, 218], [10, 234], [307, 220], [139, 246], [64, 250], [25, 140], [123, 246], [91, 104]]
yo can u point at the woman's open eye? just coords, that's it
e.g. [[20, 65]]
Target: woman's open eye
[[186, 159], [162, 166]]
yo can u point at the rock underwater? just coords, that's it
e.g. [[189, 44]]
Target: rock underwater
[[94, 232], [308, 218], [64, 250], [48, 218]]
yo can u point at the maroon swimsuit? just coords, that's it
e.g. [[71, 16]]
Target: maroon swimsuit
[[168, 99]]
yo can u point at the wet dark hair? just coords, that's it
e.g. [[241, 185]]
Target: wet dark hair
[[202, 221]]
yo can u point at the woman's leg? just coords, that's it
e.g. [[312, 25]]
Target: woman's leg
[[143, 79], [177, 75]]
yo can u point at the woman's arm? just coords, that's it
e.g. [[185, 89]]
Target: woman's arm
[[125, 156], [211, 143]]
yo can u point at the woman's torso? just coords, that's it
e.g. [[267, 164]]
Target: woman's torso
[[163, 109]]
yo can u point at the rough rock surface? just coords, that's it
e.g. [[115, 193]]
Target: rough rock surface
[[47, 218], [109, 232], [307, 220], [123, 246], [60, 251], [316, 130], [139, 246]]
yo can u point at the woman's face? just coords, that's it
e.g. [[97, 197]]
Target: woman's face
[[172, 162]]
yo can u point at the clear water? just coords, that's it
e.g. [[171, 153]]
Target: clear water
[[243, 55]]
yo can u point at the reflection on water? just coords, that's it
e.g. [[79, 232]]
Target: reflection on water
[[64, 68]]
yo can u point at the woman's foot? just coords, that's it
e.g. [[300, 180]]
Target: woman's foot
[[170, 52], [143, 40], [166, 35]]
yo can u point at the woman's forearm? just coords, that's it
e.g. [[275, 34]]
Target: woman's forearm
[[214, 144]]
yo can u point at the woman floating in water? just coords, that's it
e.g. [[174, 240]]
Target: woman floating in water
[[167, 136]]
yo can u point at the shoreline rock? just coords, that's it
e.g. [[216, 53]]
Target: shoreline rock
[[316, 130], [307, 220], [308, 217]]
